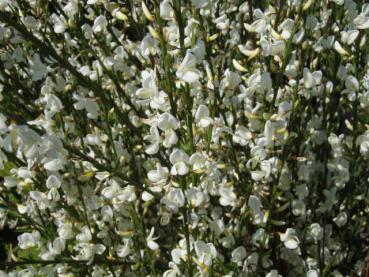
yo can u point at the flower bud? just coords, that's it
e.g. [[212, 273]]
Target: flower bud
[[146, 12]]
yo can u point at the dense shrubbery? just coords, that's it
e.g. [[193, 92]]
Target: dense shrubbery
[[184, 137]]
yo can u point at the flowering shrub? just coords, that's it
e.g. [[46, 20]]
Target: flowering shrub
[[184, 138]]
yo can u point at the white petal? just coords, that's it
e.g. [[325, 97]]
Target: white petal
[[53, 182], [317, 75], [257, 175], [268, 131], [152, 149], [259, 26], [201, 112], [191, 76], [312, 273], [181, 168], [145, 93], [152, 245], [362, 21], [205, 122], [54, 165], [123, 251], [177, 255], [309, 81], [153, 176], [254, 203], [170, 138], [59, 28], [292, 242], [340, 49], [146, 196]]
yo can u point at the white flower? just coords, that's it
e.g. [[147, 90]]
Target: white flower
[[352, 84], [260, 238], [227, 196], [199, 50], [238, 255], [86, 251], [166, 10], [197, 160], [252, 261], [187, 70], [60, 24], [260, 83], [150, 240], [290, 239], [41, 199], [268, 135], [54, 249], [149, 87], [272, 47], [107, 213], [150, 92], [242, 135], [205, 252], [362, 21], [53, 181], [127, 194], [100, 24], [29, 240], [349, 37], [311, 79], [363, 141], [167, 121], [202, 116], [85, 235], [111, 191], [260, 23], [179, 160], [178, 255], [37, 69], [89, 105], [158, 176], [298, 207], [315, 231], [53, 106], [125, 249], [71, 8], [231, 79], [174, 200], [160, 101], [340, 219], [195, 197], [65, 230], [87, 31], [286, 28], [222, 22], [155, 139], [148, 45], [255, 205]]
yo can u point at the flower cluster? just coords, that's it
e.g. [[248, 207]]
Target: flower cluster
[[184, 137]]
